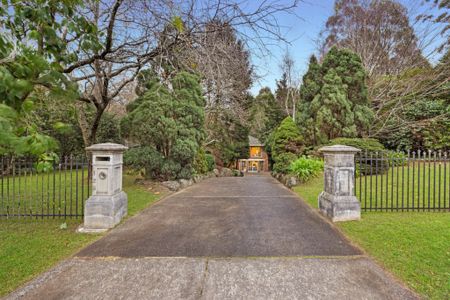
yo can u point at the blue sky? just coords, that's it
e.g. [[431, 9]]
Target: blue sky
[[301, 30]]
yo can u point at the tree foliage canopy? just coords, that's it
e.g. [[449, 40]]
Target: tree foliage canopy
[[168, 123], [334, 101], [265, 114], [285, 144], [32, 59]]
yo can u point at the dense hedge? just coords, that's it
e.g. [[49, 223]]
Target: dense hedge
[[283, 162], [364, 144], [373, 158]]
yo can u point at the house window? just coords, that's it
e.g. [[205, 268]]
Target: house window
[[255, 152]]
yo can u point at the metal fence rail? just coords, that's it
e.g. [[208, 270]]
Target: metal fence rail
[[396, 181], [57, 193]]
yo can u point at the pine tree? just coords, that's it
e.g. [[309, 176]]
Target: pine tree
[[311, 81], [311, 84], [349, 68], [168, 124], [282, 90], [334, 101], [333, 110]]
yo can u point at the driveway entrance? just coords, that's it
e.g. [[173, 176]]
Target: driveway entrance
[[233, 216], [225, 238]]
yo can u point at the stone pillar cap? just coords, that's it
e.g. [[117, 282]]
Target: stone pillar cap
[[339, 149], [107, 147]]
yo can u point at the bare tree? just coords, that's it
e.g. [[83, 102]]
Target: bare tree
[[396, 51], [292, 78], [225, 66], [129, 36], [379, 31], [439, 16]]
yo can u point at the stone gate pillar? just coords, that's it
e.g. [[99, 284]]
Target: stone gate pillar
[[338, 201], [108, 204]]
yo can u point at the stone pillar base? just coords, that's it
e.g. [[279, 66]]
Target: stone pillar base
[[104, 212], [339, 208]]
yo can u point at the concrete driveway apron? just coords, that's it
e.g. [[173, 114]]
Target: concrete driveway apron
[[224, 238]]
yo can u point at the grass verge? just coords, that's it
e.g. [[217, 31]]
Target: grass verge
[[420, 186], [415, 246], [29, 247]]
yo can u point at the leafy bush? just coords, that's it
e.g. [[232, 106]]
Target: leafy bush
[[364, 144], [145, 159], [200, 163], [285, 144], [237, 173], [373, 148], [283, 162], [286, 138], [396, 158], [210, 161], [305, 168]]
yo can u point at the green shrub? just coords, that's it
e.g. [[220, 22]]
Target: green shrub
[[210, 161], [155, 165], [286, 138], [200, 163], [364, 144], [305, 168], [285, 144], [237, 173], [283, 162], [374, 150], [396, 158]]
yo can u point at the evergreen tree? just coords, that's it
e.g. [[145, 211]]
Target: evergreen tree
[[229, 137], [284, 144], [349, 68], [282, 90], [265, 114], [332, 110], [168, 124], [311, 84], [311, 81], [334, 101]]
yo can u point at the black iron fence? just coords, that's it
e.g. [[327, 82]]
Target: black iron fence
[[396, 181], [58, 192]]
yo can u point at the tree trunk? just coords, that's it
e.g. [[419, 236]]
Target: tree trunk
[[83, 123], [88, 131]]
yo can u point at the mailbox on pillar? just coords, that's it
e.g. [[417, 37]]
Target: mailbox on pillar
[[108, 204]]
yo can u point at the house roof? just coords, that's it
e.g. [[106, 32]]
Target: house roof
[[252, 141]]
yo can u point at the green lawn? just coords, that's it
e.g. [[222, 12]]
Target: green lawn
[[417, 186], [415, 246], [29, 246], [56, 192]]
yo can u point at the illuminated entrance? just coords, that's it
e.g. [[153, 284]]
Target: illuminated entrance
[[251, 165]]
